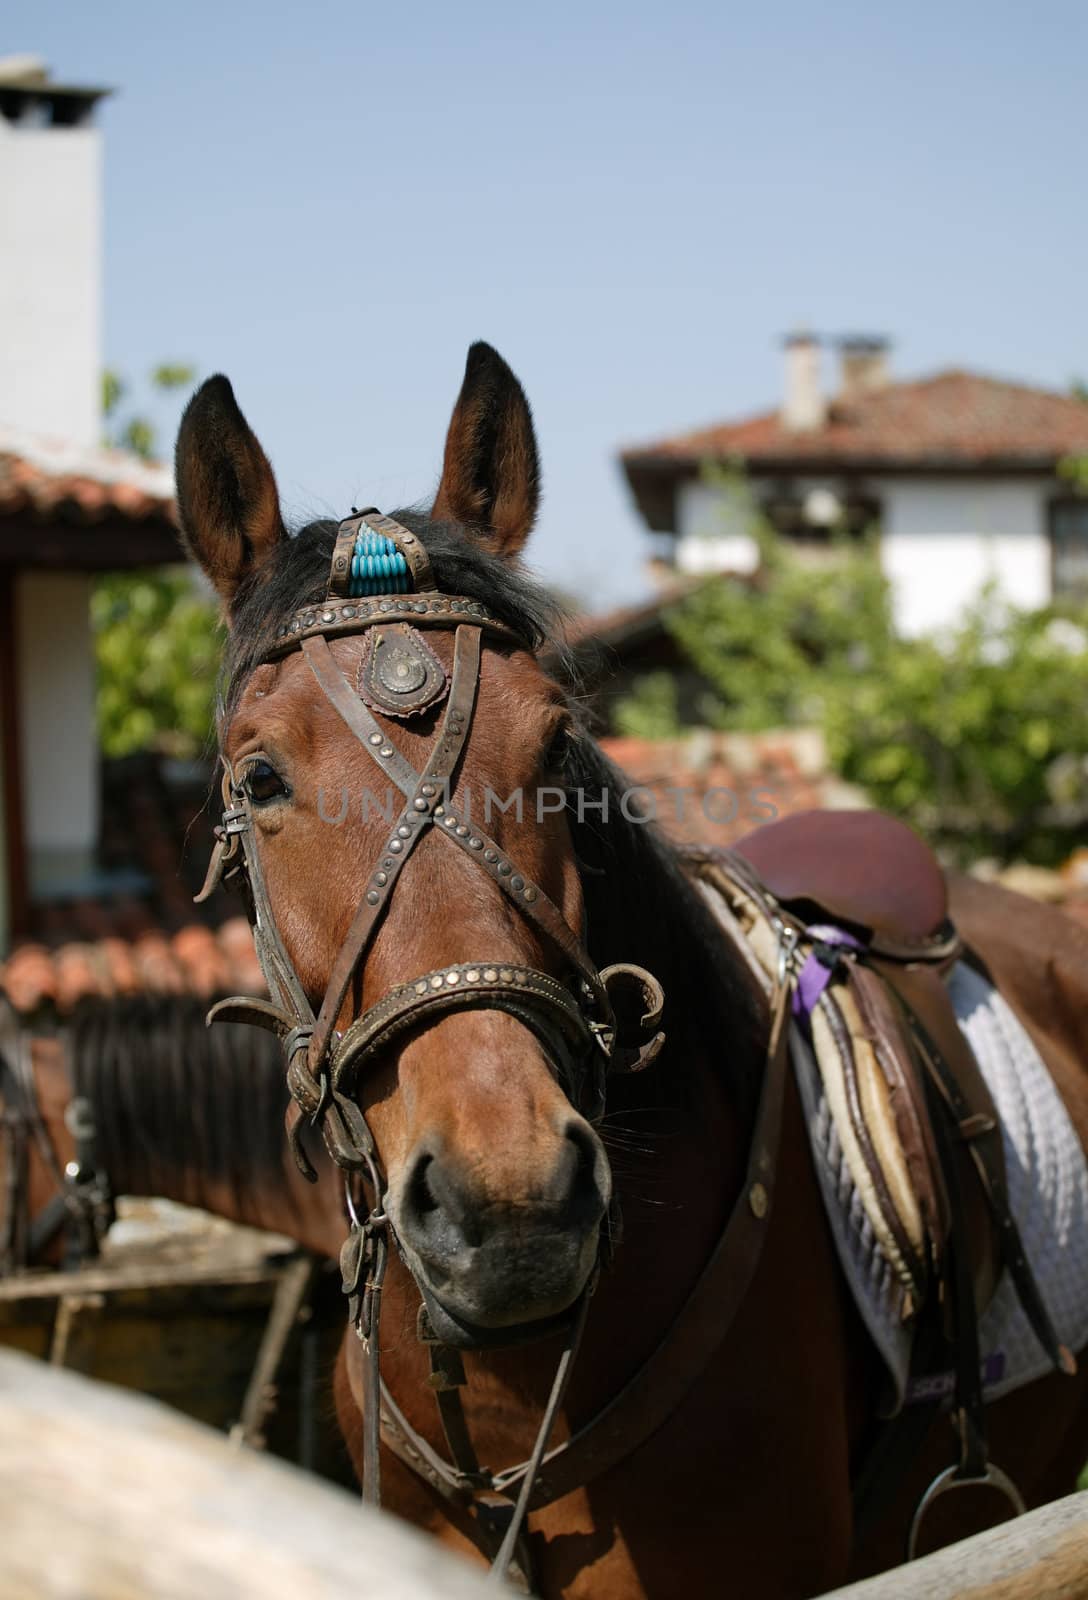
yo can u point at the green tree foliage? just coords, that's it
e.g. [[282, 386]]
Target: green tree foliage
[[771, 650], [157, 634], [158, 643], [137, 432], [978, 735]]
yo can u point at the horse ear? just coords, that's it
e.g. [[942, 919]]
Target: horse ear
[[491, 474], [227, 499]]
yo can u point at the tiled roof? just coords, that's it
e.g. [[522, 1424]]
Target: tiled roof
[[147, 937], [953, 419], [196, 960], [712, 788], [51, 478], [706, 788]]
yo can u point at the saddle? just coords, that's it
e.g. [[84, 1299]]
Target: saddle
[[851, 909], [835, 886]]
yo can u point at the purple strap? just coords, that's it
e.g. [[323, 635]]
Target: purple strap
[[815, 975]]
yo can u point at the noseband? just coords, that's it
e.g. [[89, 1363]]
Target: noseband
[[587, 1021]]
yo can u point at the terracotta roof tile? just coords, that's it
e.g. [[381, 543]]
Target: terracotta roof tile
[[712, 788], [49, 476], [157, 831], [955, 419]]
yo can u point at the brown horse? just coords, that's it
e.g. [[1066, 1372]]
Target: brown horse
[[497, 1189], [169, 1109]]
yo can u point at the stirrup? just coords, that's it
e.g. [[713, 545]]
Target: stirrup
[[991, 1477]]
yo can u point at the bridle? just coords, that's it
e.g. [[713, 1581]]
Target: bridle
[[81, 1207], [588, 1022]]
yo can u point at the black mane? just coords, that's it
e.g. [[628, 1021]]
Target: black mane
[[641, 904], [176, 1103]]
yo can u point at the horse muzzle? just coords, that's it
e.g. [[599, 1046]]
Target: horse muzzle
[[490, 1265]]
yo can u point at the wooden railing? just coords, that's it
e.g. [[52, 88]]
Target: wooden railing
[[1040, 1556]]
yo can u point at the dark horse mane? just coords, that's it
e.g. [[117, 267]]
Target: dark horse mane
[[174, 1098], [641, 904]]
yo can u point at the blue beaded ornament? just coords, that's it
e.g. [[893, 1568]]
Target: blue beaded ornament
[[377, 566]]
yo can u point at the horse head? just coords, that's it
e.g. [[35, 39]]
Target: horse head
[[495, 1182]]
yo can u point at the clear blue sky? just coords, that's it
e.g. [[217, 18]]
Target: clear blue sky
[[330, 201]]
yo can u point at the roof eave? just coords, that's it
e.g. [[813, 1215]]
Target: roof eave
[[112, 542]]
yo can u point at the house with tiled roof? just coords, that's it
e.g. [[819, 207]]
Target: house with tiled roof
[[100, 860], [958, 474]]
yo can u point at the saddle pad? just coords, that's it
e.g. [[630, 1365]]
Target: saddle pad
[[1048, 1193]]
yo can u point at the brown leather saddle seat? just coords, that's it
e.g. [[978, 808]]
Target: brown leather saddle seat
[[860, 867]]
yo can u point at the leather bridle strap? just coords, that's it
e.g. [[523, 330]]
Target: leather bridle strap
[[528, 896], [573, 1019], [540, 1001], [426, 793], [82, 1204], [428, 804]]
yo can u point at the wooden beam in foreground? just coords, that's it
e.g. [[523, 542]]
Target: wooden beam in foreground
[[1040, 1556], [105, 1495]]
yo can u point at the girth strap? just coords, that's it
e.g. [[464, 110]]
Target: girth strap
[[984, 1144]]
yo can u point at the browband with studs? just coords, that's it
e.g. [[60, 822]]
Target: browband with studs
[[379, 568]]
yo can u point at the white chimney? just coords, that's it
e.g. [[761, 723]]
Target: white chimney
[[50, 390], [864, 365], [50, 255], [803, 406]]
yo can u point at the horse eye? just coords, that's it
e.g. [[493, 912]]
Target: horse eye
[[559, 749], [263, 783]]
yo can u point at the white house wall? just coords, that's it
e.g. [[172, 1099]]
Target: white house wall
[[56, 675], [942, 540], [50, 250], [711, 530]]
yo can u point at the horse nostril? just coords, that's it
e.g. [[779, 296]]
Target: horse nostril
[[434, 1203], [421, 1197], [577, 1185]]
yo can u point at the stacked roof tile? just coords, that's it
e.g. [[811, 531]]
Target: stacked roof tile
[[952, 419], [147, 937], [50, 478]]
